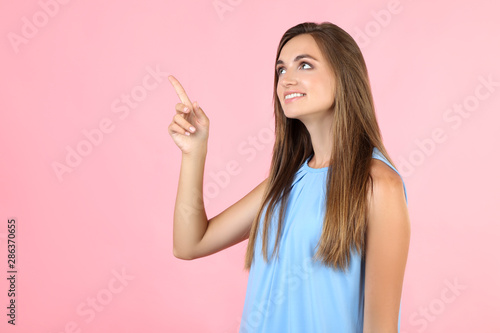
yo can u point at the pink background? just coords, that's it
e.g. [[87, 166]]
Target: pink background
[[112, 214]]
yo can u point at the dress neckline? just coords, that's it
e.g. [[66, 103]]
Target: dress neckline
[[306, 166], [309, 169]]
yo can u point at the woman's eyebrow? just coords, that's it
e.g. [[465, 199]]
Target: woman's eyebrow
[[297, 58]]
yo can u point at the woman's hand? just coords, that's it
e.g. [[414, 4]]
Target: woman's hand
[[187, 115]]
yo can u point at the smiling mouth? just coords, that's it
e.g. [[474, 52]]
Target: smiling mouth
[[288, 100]]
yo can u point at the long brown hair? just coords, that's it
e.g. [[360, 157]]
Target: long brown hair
[[355, 133]]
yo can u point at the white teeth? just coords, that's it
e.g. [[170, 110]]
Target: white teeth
[[293, 95]]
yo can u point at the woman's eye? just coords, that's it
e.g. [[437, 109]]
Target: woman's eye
[[305, 63], [301, 64]]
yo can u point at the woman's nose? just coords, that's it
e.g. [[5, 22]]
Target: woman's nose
[[287, 78]]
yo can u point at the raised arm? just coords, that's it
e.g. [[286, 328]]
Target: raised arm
[[232, 225], [193, 235]]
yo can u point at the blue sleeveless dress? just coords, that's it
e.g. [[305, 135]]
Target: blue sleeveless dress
[[295, 294]]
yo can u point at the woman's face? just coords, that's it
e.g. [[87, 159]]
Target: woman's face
[[312, 77]]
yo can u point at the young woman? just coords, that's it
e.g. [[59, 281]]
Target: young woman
[[333, 209]]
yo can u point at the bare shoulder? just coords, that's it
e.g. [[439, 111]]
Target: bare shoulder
[[388, 197], [383, 173], [386, 181]]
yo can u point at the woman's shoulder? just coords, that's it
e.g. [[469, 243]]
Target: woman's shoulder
[[382, 173], [387, 183]]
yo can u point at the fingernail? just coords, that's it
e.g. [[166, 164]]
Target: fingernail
[[192, 129], [187, 133], [186, 109]]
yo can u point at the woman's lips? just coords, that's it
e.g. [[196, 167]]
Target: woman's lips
[[293, 99]]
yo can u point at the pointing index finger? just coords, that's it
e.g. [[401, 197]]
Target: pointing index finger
[[180, 91]]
